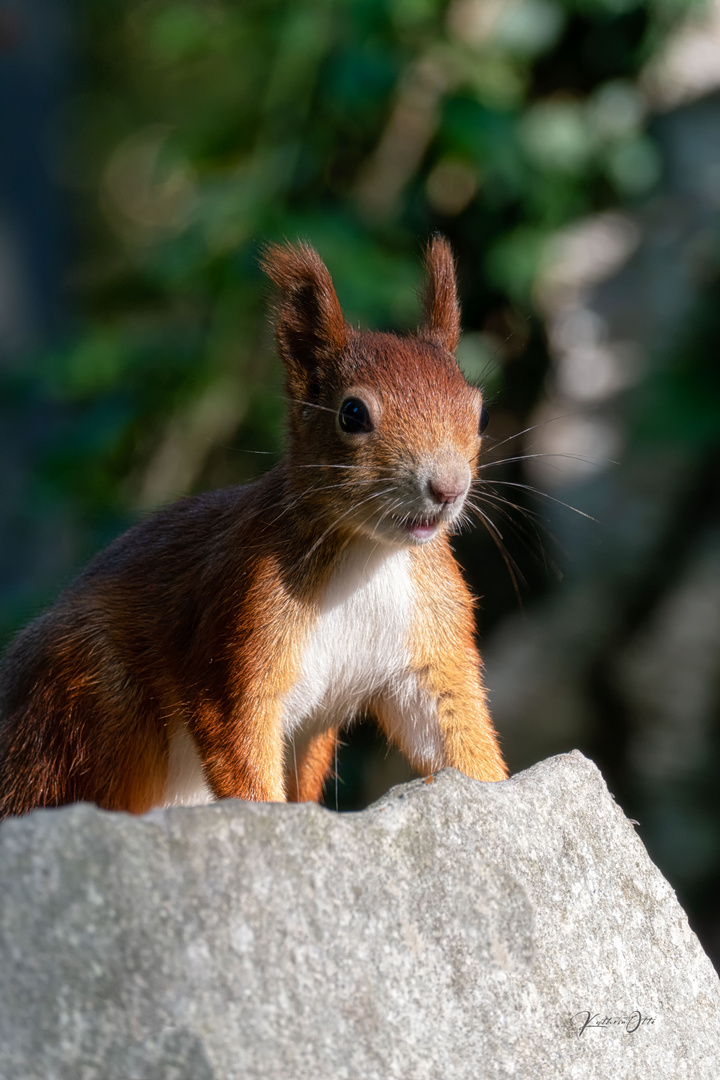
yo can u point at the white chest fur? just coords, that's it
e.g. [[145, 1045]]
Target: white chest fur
[[358, 645]]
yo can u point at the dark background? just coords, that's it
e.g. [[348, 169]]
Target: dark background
[[570, 150]]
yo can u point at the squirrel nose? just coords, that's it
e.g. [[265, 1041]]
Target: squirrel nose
[[447, 486]]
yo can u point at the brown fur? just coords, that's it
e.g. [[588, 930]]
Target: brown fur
[[199, 615], [442, 310]]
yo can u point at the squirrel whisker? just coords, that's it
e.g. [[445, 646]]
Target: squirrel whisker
[[336, 524]]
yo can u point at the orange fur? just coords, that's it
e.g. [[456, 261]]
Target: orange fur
[[310, 767], [206, 616], [444, 651]]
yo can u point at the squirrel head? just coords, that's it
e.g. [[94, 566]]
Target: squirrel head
[[385, 430]]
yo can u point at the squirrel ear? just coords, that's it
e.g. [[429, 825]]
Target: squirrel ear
[[310, 326], [442, 310]]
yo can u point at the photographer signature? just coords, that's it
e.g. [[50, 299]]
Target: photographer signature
[[630, 1023]]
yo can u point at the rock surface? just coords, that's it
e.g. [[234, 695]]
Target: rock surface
[[452, 930]]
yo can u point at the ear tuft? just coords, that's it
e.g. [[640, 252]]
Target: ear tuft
[[310, 326], [442, 310]]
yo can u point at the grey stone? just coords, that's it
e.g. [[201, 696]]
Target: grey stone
[[453, 929]]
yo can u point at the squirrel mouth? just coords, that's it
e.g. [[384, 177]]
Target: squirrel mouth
[[422, 527]]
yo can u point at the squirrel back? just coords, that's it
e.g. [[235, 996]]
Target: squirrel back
[[217, 648]]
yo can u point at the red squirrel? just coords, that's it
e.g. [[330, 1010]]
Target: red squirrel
[[217, 648]]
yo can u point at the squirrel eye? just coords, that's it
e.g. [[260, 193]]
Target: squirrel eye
[[484, 417], [354, 416]]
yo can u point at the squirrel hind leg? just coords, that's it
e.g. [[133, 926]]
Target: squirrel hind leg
[[139, 783], [53, 757], [126, 756], [309, 763]]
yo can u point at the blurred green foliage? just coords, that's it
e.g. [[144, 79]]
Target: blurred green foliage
[[197, 131]]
